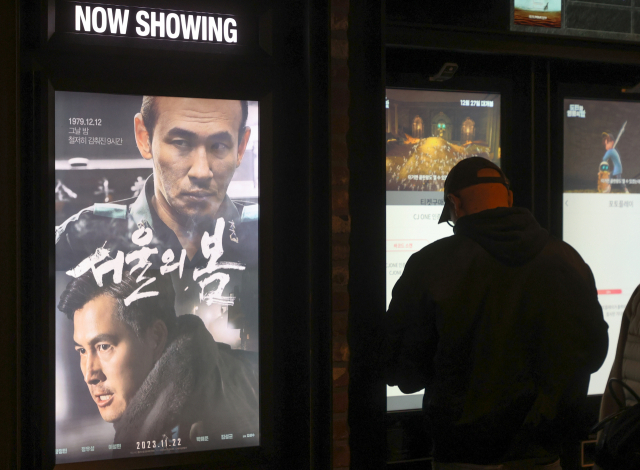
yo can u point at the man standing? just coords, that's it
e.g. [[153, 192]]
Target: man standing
[[500, 324], [207, 243]]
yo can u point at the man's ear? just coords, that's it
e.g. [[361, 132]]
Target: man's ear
[[157, 336], [456, 202], [242, 145], [509, 198], [143, 139]]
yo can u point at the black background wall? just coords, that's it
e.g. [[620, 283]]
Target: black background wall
[[8, 234], [417, 39]]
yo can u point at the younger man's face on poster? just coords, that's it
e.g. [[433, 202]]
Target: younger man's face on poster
[[113, 360], [196, 147]]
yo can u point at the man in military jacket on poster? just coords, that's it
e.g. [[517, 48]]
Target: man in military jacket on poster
[[183, 223]]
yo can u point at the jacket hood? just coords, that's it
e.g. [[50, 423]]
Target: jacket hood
[[510, 234]]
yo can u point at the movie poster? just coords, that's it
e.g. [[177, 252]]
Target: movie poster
[[156, 213], [542, 13], [427, 133], [601, 204]]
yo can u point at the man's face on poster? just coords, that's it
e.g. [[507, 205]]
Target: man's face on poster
[[196, 146], [113, 360]]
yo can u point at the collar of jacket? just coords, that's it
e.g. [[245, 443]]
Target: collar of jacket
[[143, 213]]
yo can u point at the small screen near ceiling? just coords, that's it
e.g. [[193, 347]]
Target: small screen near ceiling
[[607, 19]]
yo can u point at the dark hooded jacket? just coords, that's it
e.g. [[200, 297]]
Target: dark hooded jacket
[[500, 323], [198, 388]]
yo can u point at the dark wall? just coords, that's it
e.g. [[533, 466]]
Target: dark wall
[[8, 234], [365, 142], [493, 15]]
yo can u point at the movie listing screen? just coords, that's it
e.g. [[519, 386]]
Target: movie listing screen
[[612, 19], [156, 254], [428, 132], [601, 204]]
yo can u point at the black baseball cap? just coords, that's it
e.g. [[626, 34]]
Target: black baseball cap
[[465, 174]]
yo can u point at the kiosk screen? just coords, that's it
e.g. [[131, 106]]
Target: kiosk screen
[[156, 285], [428, 132], [601, 204]]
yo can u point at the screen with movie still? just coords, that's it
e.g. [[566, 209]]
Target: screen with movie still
[[427, 133], [601, 204], [610, 19], [156, 281]]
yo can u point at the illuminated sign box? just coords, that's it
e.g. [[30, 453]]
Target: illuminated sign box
[[223, 28], [155, 24]]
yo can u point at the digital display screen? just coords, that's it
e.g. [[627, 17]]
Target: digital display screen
[[541, 13], [156, 286], [612, 19], [428, 132], [601, 204]]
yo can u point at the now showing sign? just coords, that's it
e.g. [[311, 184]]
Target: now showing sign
[[150, 23]]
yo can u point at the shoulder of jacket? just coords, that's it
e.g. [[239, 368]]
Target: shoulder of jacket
[[109, 210], [634, 304], [60, 229], [555, 243], [443, 247], [438, 253], [249, 211], [444, 243], [559, 254]]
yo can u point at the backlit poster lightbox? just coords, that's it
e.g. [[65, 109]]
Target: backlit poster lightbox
[[156, 244]]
